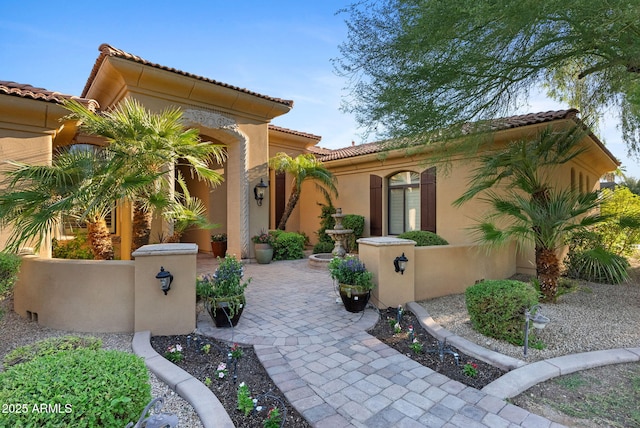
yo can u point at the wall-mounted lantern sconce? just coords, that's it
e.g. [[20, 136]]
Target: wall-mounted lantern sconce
[[400, 263], [259, 190], [165, 278]]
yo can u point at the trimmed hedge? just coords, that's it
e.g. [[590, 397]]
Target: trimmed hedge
[[423, 238], [50, 346], [354, 222], [496, 308], [78, 388], [287, 245]]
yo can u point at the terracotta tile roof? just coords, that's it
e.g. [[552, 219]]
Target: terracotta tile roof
[[109, 51], [28, 91], [492, 125], [293, 132], [320, 151]]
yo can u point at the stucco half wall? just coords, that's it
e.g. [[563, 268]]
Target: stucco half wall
[[449, 269], [76, 295]]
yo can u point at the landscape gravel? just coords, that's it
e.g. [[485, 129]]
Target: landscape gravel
[[16, 331], [595, 317]]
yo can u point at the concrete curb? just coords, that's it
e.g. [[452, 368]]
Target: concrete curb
[[206, 404], [521, 379], [496, 359]]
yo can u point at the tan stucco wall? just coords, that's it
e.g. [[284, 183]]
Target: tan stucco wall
[[77, 295]]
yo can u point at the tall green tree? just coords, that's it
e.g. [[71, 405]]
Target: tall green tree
[[423, 65], [154, 142], [524, 203], [302, 168]]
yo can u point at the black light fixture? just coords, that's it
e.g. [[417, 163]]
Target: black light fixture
[[165, 278], [400, 263], [259, 190]]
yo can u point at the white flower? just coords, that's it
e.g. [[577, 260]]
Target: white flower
[[179, 348], [220, 375], [241, 384]]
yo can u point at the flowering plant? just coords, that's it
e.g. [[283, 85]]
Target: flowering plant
[[245, 402], [236, 351], [219, 237], [273, 418], [221, 370], [470, 369], [226, 280], [351, 271], [263, 238], [174, 353], [416, 346]]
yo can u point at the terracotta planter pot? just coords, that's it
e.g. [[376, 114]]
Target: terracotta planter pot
[[264, 253], [354, 298], [219, 248], [220, 312]]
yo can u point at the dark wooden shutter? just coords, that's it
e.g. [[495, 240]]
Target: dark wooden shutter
[[280, 195], [428, 200], [375, 205]]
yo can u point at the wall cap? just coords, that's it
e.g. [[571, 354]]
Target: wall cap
[[165, 250], [385, 241]]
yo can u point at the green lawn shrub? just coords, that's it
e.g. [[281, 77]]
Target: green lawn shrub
[[9, 268], [423, 238], [323, 247], [597, 265], [496, 308], [354, 222], [76, 388], [287, 245], [325, 243], [76, 248], [50, 346]]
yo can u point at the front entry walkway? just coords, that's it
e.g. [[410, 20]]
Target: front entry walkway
[[337, 375]]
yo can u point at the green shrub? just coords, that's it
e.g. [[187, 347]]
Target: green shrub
[[326, 222], [9, 268], [287, 245], [323, 247], [620, 232], [76, 248], [81, 388], [423, 238], [49, 347], [356, 223], [496, 308], [597, 265]]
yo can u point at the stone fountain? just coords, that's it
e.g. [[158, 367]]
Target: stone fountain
[[340, 235]]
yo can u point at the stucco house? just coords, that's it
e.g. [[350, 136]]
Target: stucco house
[[395, 192]]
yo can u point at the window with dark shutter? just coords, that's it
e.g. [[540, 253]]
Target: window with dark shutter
[[375, 205], [428, 200]]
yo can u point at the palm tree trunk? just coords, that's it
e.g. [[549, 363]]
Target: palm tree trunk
[[141, 227], [291, 204], [548, 270], [100, 239]]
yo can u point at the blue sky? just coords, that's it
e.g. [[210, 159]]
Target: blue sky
[[280, 48]]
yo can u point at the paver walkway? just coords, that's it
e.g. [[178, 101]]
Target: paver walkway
[[334, 373]]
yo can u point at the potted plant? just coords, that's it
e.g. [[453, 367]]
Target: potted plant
[[223, 292], [354, 280], [219, 244], [263, 247]]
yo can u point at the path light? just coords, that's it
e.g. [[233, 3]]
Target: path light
[[165, 278], [539, 322], [258, 191], [400, 263]]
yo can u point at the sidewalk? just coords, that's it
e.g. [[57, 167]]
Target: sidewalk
[[334, 373]]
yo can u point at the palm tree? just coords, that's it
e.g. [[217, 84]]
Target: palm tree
[[78, 184], [529, 208], [155, 143], [303, 167]]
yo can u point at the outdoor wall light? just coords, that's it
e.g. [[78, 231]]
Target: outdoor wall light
[[539, 322], [258, 192], [400, 263], [165, 278]]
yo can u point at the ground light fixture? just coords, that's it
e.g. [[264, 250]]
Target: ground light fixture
[[165, 278], [400, 263], [539, 322], [258, 191]]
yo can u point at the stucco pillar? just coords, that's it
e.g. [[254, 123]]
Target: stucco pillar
[[392, 288], [175, 312], [237, 197]]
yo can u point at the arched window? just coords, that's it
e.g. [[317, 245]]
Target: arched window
[[404, 202]]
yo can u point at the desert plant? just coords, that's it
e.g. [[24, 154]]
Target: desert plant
[[423, 238], [75, 248], [597, 265], [287, 245], [496, 308], [9, 268], [82, 387]]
